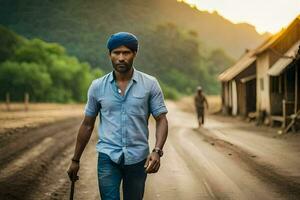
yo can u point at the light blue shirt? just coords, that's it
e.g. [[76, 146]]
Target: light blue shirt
[[123, 127]]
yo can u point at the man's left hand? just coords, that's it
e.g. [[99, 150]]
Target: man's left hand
[[152, 163]]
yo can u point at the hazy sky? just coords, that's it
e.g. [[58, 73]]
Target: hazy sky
[[265, 15]]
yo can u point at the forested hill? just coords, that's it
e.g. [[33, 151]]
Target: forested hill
[[179, 44], [79, 22]]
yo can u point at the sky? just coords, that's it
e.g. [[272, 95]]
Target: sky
[[266, 15]]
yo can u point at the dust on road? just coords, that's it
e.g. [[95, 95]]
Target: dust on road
[[223, 160]]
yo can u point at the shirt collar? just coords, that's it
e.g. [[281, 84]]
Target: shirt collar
[[135, 75], [111, 77]]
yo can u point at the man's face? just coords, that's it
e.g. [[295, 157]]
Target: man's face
[[122, 59]]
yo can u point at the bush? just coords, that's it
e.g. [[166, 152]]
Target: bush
[[44, 70]]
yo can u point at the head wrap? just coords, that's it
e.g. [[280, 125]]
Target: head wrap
[[199, 88], [122, 38]]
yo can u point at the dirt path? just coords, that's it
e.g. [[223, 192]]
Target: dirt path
[[223, 160], [33, 163], [202, 164]]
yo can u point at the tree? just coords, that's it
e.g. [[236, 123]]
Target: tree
[[18, 78], [9, 42], [42, 69]]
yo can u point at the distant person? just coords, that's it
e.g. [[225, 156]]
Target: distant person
[[124, 100], [200, 100]]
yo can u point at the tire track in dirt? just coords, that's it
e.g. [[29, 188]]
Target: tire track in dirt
[[55, 184], [286, 185], [12, 145], [217, 184], [26, 158], [29, 167]]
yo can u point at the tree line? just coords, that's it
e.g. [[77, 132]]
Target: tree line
[[177, 50], [48, 73], [44, 70]]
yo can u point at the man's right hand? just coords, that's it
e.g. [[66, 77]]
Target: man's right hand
[[73, 170], [152, 164]]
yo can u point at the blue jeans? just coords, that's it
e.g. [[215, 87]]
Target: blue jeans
[[110, 175]]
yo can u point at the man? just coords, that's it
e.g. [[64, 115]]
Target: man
[[200, 100], [124, 99]]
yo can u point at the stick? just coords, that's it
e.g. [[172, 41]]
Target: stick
[[72, 190], [26, 101], [73, 187], [7, 101]]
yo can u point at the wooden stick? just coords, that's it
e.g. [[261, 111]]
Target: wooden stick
[[73, 187], [72, 190], [26, 101], [7, 101]]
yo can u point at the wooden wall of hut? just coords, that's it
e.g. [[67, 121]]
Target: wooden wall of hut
[[251, 96], [246, 90], [277, 94]]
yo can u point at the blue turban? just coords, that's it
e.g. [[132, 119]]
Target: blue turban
[[122, 39]]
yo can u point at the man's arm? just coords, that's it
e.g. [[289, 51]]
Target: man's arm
[[84, 134], [153, 161], [161, 130]]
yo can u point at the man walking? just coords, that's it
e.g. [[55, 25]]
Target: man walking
[[124, 100], [200, 100]]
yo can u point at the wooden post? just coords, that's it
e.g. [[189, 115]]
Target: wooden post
[[296, 89], [26, 101], [285, 86], [284, 105], [7, 101]]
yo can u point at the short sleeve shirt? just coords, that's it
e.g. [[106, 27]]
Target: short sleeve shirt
[[123, 120]]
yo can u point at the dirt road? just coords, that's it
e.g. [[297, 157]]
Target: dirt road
[[226, 159]]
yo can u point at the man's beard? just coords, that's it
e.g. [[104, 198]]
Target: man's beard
[[122, 68]]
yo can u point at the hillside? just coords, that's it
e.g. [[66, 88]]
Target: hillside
[[83, 27], [78, 24]]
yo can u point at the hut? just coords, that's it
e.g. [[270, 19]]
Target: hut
[[265, 81], [239, 86], [276, 80]]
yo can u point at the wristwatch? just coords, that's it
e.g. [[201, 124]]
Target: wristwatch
[[158, 151]]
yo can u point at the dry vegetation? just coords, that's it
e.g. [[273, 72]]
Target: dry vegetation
[[45, 113], [37, 115], [187, 104]]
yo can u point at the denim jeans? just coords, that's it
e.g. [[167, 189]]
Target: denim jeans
[[110, 175]]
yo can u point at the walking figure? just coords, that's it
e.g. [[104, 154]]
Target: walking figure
[[200, 100], [123, 99]]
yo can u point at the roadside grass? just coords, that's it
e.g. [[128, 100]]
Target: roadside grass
[[187, 104], [36, 115], [43, 113]]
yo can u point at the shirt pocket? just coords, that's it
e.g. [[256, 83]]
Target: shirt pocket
[[137, 104]]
